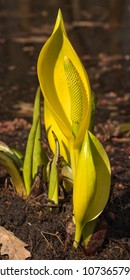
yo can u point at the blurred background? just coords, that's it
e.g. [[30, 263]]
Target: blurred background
[[99, 30]]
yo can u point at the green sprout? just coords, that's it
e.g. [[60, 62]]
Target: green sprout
[[24, 169], [35, 154]]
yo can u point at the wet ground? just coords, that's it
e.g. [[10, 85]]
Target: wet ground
[[101, 37]]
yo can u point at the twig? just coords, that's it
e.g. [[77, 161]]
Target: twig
[[53, 234], [42, 233]]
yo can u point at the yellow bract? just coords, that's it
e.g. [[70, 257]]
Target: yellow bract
[[56, 61]]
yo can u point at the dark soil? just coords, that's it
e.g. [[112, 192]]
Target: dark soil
[[49, 234]]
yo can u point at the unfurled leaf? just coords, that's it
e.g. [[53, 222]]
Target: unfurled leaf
[[12, 246]]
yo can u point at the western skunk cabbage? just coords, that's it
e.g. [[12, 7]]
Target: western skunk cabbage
[[65, 86]]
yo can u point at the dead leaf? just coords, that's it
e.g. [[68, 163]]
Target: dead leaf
[[12, 246]]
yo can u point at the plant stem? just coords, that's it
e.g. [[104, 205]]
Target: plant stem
[[77, 236], [74, 154]]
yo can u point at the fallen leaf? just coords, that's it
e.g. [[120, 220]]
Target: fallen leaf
[[12, 246]]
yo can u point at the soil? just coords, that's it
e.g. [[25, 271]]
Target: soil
[[49, 234]]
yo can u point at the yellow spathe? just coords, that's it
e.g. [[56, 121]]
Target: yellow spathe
[[55, 87]]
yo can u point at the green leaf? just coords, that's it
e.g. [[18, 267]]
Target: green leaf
[[84, 187], [28, 167], [103, 181], [9, 165], [39, 154], [91, 184], [28, 160], [14, 154]]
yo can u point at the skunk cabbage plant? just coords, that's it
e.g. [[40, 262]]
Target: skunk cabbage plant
[[69, 109]]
